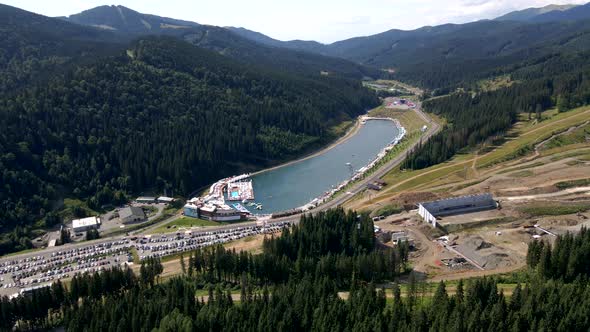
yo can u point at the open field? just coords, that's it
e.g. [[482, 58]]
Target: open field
[[409, 119]]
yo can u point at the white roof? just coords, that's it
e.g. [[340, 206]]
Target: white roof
[[90, 221], [165, 199]]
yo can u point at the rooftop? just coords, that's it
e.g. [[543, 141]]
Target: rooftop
[[461, 200], [145, 198], [90, 221], [131, 211]]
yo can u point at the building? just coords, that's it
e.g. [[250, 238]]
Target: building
[[191, 210], [220, 213], [131, 214], [166, 200], [146, 199], [429, 211], [214, 212], [84, 224]]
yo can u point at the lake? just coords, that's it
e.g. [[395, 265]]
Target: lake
[[297, 184]]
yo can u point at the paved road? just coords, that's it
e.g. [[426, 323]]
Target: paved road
[[357, 187]]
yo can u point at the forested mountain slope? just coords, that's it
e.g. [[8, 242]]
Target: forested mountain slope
[[527, 15], [156, 113], [229, 42], [576, 13], [34, 47], [125, 20], [453, 55]]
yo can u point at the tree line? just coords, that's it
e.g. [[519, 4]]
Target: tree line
[[161, 115], [116, 300], [561, 81]]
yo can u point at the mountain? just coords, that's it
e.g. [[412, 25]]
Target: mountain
[[573, 14], [35, 46], [455, 54], [123, 19], [153, 113], [526, 15], [240, 44], [301, 45]]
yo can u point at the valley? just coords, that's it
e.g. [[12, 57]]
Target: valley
[[164, 174]]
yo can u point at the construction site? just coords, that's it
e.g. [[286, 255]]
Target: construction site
[[533, 186]]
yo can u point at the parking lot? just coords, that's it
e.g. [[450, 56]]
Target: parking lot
[[46, 266]]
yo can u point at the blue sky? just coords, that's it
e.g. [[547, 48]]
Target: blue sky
[[321, 20]]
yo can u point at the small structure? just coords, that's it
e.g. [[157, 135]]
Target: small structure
[[131, 214], [52, 243], [456, 205], [374, 186], [165, 200], [145, 199], [399, 237], [84, 224]]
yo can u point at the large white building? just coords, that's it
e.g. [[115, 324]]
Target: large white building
[[84, 224], [456, 205]]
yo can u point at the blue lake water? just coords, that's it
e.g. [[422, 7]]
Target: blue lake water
[[297, 184]]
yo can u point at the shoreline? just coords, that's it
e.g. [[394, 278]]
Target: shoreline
[[349, 133]]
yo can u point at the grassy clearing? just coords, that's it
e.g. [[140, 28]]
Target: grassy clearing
[[387, 210], [340, 130], [576, 136], [532, 133], [184, 222], [568, 152], [573, 183], [552, 209], [409, 119], [135, 255], [73, 208], [496, 83]]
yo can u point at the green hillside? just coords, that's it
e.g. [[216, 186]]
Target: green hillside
[[156, 113]]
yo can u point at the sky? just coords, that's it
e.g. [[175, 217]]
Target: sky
[[321, 20]]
